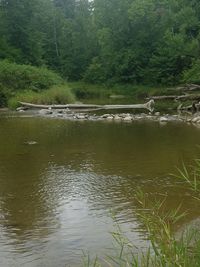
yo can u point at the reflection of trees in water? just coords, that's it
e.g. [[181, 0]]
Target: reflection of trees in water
[[108, 193], [102, 163], [23, 202]]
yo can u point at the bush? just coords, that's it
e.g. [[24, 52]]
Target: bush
[[55, 95], [95, 73], [5, 94], [26, 77], [192, 75]]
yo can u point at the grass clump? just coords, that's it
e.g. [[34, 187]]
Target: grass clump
[[191, 176], [55, 95], [165, 249]]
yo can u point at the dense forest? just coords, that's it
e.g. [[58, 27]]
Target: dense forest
[[119, 41]]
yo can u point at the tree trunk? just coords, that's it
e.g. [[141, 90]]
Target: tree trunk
[[149, 106]]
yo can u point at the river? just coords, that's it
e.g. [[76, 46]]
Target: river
[[62, 181]]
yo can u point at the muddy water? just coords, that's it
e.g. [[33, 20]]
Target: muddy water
[[61, 181]]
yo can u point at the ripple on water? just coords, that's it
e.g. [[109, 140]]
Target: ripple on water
[[58, 197]]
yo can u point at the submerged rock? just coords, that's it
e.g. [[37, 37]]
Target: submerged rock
[[30, 143], [117, 118], [60, 115]]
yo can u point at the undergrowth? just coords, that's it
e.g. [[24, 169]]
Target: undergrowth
[[55, 95]]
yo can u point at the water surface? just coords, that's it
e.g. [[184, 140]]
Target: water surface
[[57, 196]]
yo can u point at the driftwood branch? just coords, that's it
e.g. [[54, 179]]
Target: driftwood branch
[[188, 97], [185, 88], [176, 97], [163, 97], [191, 87], [149, 105], [31, 105], [195, 107]]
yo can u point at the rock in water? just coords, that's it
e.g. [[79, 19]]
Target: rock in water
[[104, 116], [164, 119], [196, 119], [128, 118], [21, 109], [30, 143], [110, 118], [45, 111], [81, 117]]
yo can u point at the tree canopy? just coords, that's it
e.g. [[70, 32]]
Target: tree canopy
[[125, 41]]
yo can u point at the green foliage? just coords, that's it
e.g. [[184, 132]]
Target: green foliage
[[165, 250], [145, 41], [55, 95], [7, 51], [22, 26], [124, 41], [172, 59], [21, 77], [191, 176], [192, 75], [86, 90], [95, 73], [5, 94]]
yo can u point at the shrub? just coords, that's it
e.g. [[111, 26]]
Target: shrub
[[192, 75], [26, 77], [95, 73], [55, 95]]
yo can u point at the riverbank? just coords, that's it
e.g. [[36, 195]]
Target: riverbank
[[84, 90], [42, 86], [80, 92], [168, 99], [125, 117]]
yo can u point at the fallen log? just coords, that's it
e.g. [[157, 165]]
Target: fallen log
[[186, 88], [177, 97], [195, 107], [188, 97], [31, 105], [149, 106], [162, 97], [192, 87]]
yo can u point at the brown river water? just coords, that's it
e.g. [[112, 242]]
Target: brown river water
[[57, 195]]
